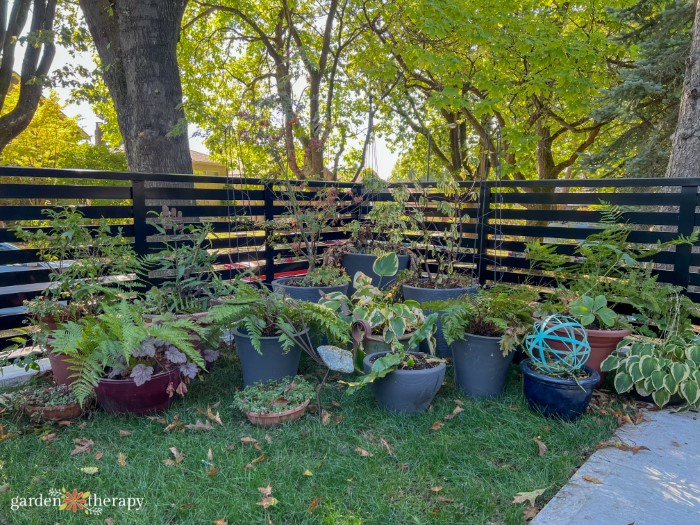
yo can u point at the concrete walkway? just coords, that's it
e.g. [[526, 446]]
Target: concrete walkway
[[660, 486]]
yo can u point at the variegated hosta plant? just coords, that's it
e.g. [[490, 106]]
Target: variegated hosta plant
[[390, 320], [663, 369]]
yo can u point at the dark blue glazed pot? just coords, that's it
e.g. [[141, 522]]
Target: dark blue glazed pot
[[554, 397]]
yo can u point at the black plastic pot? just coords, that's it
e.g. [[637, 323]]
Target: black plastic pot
[[480, 367], [406, 391], [362, 262], [122, 396], [374, 344], [555, 397], [424, 295], [311, 294], [271, 364]]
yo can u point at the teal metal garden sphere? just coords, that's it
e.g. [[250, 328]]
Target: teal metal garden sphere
[[558, 344]]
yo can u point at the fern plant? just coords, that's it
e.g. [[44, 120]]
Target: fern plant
[[262, 313], [504, 311], [607, 268], [118, 343]]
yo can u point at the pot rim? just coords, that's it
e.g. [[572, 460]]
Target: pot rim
[[52, 407], [589, 381], [131, 380], [236, 331], [360, 254], [608, 332], [465, 288], [377, 355], [495, 339], [279, 414]]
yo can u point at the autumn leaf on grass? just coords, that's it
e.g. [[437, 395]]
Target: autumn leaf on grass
[[98, 456], [91, 471], [307, 472], [531, 497], [265, 491], [247, 440], [175, 424], [267, 501], [362, 452], [268, 438], [209, 414], [530, 513], [437, 425], [436, 488], [542, 448], [124, 433], [81, 445], [313, 505], [199, 425], [48, 438], [121, 459], [213, 471], [325, 417], [335, 404], [179, 457], [456, 411], [387, 446], [593, 480], [221, 521], [443, 499]]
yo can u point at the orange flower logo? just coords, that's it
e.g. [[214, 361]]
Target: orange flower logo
[[74, 500]]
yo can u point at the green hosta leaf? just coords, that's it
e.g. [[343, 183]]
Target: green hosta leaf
[[680, 372], [670, 384], [657, 379], [386, 265], [398, 325], [661, 397], [693, 354], [623, 382], [647, 365], [635, 372], [612, 362], [690, 391]]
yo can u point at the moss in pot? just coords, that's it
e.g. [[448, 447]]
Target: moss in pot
[[51, 402], [275, 402]]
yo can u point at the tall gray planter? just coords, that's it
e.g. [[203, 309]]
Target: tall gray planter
[[480, 368], [425, 295], [271, 364], [363, 262], [311, 294], [406, 391]]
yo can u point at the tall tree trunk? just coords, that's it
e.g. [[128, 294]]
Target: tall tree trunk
[[685, 145], [137, 44], [35, 65]]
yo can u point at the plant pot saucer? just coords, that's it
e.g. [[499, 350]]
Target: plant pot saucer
[[271, 420]]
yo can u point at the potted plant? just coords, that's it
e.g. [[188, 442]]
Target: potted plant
[[51, 402], [439, 250], [556, 381], [89, 266], [275, 402], [383, 232], [606, 284], [403, 380], [131, 365], [270, 330], [301, 229], [483, 332]]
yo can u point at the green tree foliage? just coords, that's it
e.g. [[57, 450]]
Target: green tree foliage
[[644, 105], [274, 84], [522, 80]]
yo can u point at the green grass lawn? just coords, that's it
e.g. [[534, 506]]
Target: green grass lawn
[[481, 459]]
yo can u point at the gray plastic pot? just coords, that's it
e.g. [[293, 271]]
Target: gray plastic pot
[[271, 364], [480, 368], [363, 262], [373, 344], [406, 391], [424, 295], [311, 294]]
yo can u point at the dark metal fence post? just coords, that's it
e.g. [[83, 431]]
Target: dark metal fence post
[[138, 207], [686, 222], [269, 250], [482, 230]]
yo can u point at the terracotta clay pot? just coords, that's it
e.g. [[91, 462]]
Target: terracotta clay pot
[[603, 343], [119, 396], [59, 368], [57, 412], [271, 420]]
